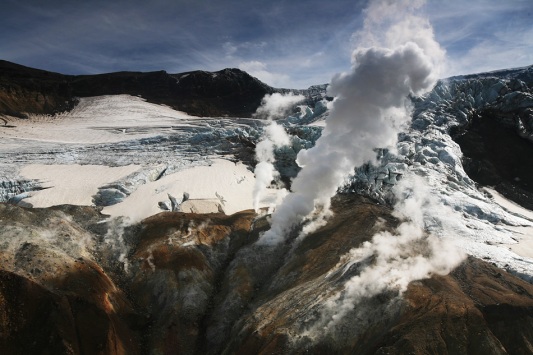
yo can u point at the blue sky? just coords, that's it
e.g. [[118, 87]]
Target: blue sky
[[286, 43]]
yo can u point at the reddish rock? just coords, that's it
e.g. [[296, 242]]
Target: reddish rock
[[198, 284]]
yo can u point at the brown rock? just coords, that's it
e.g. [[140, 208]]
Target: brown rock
[[198, 284]]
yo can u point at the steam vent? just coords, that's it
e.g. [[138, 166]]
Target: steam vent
[[342, 187]]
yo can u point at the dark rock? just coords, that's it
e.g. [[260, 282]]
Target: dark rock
[[494, 154], [26, 90], [228, 92], [109, 196], [34, 319]]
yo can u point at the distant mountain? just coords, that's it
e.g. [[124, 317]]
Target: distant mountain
[[27, 90], [228, 92]]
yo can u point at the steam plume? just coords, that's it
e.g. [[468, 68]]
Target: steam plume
[[276, 105], [397, 258], [369, 109], [274, 135]]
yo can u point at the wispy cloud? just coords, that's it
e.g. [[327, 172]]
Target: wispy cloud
[[484, 35], [100, 36], [260, 71], [300, 42]]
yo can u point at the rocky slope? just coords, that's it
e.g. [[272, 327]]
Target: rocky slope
[[188, 284], [27, 90]]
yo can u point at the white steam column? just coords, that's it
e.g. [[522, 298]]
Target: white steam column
[[272, 107], [399, 58]]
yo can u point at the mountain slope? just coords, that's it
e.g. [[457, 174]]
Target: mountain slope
[[466, 135], [198, 284], [27, 90]]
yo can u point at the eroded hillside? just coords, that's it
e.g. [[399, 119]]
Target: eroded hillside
[[194, 284]]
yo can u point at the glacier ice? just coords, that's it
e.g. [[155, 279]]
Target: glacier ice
[[425, 148]]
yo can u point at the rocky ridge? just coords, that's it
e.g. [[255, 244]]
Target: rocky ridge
[[228, 92]]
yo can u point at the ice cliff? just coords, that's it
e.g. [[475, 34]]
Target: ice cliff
[[426, 148]]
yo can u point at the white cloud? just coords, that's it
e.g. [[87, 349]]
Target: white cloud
[[482, 35], [244, 49], [261, 72], [229, 48], [299, 43], [510, 48]]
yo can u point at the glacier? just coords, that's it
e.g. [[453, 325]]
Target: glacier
[[479, 224], [127, 130]]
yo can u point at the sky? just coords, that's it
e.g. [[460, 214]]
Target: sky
[[285, 43]]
